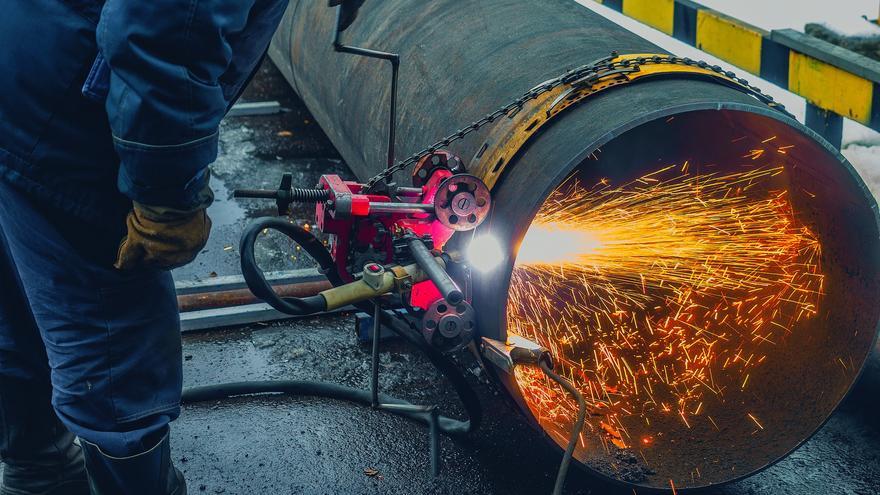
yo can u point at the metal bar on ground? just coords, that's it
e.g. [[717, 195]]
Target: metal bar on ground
[[226, 317], [219, 318], [251, 109], [226, 301], [233, 282], [240, 297], [831, 78]]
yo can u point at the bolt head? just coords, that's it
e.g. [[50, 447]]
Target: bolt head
[[463, 204], [450, 326]]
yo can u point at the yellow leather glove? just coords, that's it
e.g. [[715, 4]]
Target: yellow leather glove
[[162, 238]]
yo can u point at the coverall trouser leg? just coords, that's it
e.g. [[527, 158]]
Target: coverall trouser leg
[[106, 341], [38, 452]]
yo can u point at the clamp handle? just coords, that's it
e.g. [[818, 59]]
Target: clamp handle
[[285, 195]]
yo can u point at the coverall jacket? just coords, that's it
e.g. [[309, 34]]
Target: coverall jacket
[[102, 103]]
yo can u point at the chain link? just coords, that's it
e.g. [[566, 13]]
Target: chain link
[[583, 75]]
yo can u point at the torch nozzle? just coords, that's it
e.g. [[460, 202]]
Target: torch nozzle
[[519, 351], [516, 351]]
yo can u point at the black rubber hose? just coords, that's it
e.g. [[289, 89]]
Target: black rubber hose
[[305, 388], [576, 427], [447, 425], [256, 281]]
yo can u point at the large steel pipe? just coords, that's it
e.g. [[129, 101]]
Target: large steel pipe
[[723, 295]]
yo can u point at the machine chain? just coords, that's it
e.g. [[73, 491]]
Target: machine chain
[[580, 76]]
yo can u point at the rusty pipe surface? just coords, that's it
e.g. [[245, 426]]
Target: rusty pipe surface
[[461, 59], [241, 297]]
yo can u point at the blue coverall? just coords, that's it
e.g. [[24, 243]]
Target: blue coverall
[[103, 103]]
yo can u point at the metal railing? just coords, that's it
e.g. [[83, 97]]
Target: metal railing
[[837, 83]]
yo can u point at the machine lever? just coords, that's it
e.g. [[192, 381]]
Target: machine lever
[[438, 275], [285, 195]]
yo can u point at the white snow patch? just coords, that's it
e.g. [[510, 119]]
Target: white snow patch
[[869, 30], [866, 160]]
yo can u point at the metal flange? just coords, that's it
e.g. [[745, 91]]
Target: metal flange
[[462, 202], [449, 327]]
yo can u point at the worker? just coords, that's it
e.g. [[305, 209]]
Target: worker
[[109, 116]]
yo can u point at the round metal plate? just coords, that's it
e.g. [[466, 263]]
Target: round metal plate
[[449, 326], [462, 202]]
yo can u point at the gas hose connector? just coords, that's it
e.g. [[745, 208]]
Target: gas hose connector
[[517, 351]]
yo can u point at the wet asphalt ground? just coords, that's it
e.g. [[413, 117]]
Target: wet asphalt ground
[[301, 445]]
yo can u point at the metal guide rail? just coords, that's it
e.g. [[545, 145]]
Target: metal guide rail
[[836, 82]]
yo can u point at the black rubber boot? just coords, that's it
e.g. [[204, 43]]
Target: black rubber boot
[[148, 473], [39, 454]]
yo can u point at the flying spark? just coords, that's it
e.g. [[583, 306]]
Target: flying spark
[[652, 294]]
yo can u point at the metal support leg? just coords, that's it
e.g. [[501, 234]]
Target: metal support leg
[[827, 124], [432, 412], [434, 429], [377, 328]]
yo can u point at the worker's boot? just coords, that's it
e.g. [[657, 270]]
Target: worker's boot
[[147, 473], [39, 454]]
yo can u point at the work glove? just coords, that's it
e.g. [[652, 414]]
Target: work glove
[[162, 237]]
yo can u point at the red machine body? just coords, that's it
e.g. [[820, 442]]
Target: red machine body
[[403, 229], [364, 225]]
